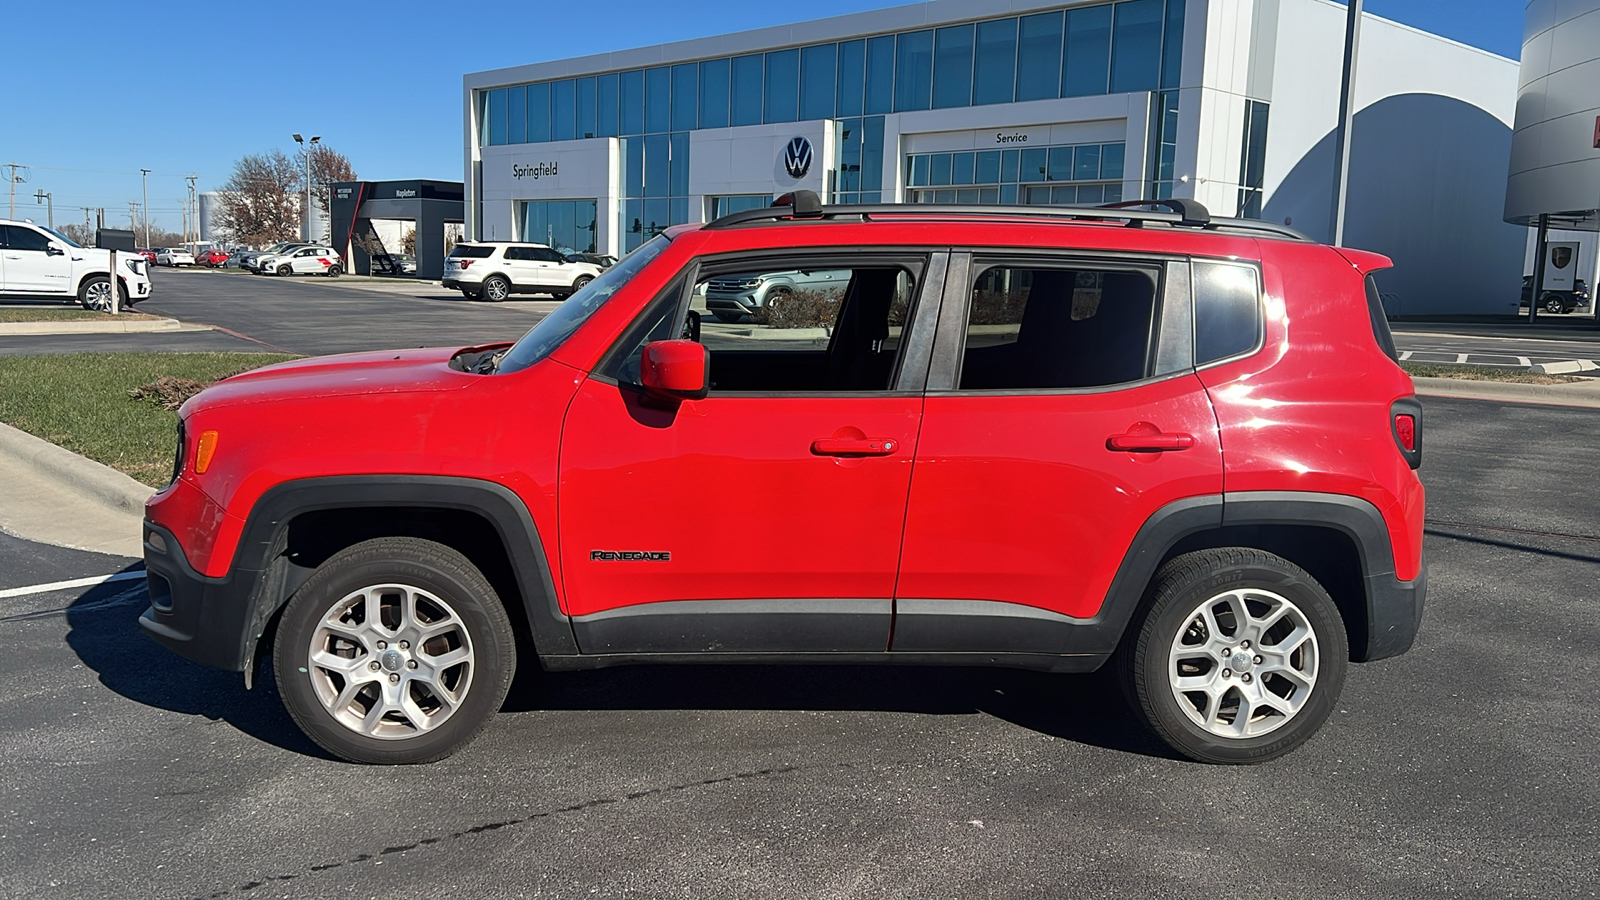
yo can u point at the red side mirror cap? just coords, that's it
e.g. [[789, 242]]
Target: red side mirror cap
[[676, 370]]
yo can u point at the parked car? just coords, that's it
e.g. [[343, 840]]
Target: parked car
[[1070, 391], [302, 261], [149, 255], [174, 257], [212, 258], [250, 259], [1552, 301], [37, 261], [494, 270], [732, 297], [394, 264]]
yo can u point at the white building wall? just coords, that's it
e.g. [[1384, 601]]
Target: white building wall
[[1432, 127]]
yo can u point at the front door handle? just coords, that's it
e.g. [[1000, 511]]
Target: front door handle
[[1142, 437], [853, 447]]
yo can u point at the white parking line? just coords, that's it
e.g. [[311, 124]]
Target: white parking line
[[64, 585], [1406, 354], [1524, 362], [1461, 358]]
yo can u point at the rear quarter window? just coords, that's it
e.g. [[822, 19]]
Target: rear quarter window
[[1380, 320], [469, 251], [1227, 310]]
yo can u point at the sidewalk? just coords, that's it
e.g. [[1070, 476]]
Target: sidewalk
[[1580, 394], [55, 496]]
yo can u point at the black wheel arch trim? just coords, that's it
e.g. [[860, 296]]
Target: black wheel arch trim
[[242, 603]]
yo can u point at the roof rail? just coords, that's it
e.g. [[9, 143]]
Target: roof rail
[[805, 206]]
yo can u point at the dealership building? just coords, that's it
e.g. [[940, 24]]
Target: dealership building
[[1230, 102]]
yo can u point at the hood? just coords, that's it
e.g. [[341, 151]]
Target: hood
[[382, 372]]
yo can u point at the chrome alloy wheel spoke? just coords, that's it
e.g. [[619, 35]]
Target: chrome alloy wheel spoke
[[391, 661], [1244, 663]]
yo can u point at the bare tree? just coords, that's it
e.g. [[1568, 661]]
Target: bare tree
[[259, 204], [327, 166], [77, 233]]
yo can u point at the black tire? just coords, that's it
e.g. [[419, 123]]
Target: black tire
[[496, 288], [1182, 588], [286, 270], [579, 283], [1554, 304], [440, 576], [471, 294], [729, 317], [334, 271]]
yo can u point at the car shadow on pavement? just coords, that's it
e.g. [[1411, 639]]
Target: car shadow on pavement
[[1086, 709], [105, 634]]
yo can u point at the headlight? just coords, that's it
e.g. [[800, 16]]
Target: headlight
[[134, 266]]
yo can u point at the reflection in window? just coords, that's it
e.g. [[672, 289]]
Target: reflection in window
[[563, 110], [1136, 57], [657, 99], [783, 86], [632, 102], [817, 67], [994, 71], [1088, 58], [913, 71], [852, 78], [517, 114], [1039, 57], [684, 97], [880, 75], [952, 66], [567, 225], [1015, 176], [714, 93], [747, 89], [586, 108], [1227, 310]]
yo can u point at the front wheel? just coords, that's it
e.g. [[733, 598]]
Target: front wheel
[[397, 650], [95, 293], [286, 269], [335, 271], [1553, 304], [1240, 657]]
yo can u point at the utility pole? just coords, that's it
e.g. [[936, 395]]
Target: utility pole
[[15, 179], [144, 184], [133, 209], [1347, 99], [49, 201]]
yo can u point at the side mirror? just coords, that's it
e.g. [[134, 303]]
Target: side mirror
[[53, 250], [676, 370]]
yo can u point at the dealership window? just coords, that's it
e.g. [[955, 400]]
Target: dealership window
[[566, 225], [1163, 144], [717, 207], [1130, 45], [994, 70], [655, 185], [1067, 174], [1252, 162], [517, 115], [859, 176], [952, 66]]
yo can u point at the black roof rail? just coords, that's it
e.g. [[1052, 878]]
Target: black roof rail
[[806, 206]]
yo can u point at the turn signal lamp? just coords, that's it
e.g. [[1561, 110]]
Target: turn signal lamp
[[1405, 428], [204, 450]]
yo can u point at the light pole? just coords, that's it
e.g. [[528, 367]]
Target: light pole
[[49, 200], [305, 213], [144, 184]]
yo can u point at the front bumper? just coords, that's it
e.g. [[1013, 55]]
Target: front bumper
[[207, 620]]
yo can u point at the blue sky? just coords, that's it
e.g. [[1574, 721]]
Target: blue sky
[[187, 88]]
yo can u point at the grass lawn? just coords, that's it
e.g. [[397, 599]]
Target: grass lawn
[[45, 314], [80, 401], [1479, 373]]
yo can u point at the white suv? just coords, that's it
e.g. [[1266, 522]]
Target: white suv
[[494, 270], [37, 261], [302, 261]]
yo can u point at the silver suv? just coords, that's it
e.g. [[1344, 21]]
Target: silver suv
[[494, 270], [732, 297]]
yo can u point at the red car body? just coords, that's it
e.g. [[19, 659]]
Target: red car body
[[1019, 506], [212, 257]]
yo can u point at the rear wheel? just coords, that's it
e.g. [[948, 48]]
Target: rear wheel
[[579, 283], [1240, 657], [496, 288], [397, 650]]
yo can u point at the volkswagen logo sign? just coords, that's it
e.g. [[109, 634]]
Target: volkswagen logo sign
[[797, 158]]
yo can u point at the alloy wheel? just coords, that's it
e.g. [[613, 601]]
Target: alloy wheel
[[1245, 663]]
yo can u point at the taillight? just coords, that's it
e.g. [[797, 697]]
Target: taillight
[[464, 263], [1405, 422]]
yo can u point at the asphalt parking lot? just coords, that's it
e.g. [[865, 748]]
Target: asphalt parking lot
[[1463, 769]]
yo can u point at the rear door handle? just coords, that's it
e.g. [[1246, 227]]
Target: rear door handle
[[1143, 437], [853, 447]]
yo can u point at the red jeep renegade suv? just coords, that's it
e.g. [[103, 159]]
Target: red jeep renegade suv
[[1045, 438]]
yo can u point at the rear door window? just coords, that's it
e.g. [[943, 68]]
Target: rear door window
[[1227, 310], [1050, 326]]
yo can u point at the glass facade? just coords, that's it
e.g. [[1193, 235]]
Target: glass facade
[[716, 207], [566, 225], [1252, 162], [1132, 45], [859, 146], [1163, 144], [1063, 174]]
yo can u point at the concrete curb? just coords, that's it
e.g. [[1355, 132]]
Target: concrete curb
[[1582, 393], [82, 476], [110, 325], [1569, 367]]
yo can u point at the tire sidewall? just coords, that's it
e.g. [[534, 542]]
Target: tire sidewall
[[1172, 612], [492, 643]]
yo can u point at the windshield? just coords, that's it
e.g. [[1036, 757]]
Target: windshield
[[555, 328], [63, 238]]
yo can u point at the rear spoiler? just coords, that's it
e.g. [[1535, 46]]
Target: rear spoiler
[[1365, 262]]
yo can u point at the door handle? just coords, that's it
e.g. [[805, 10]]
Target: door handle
[[853, 447], [1142, 437]]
